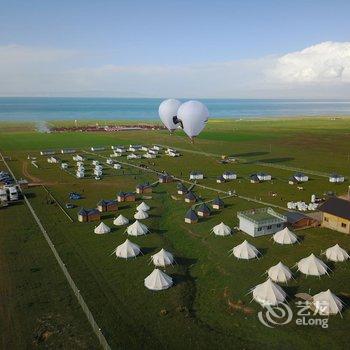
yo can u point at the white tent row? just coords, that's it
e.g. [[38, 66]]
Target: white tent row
[[326, 303], [336, 253], [221, 230], [268, 293], [279, 273], [127, 250], [143, 206], [313, 266], [302, 206], [285, 236], [245, 251], [137, 229], [102, 228], [162, 258], [158, 280], [120, 220], [141, 215]]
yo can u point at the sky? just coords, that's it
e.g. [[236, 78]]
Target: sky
[[220, 49]]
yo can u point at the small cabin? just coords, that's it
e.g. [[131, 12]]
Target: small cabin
[[336, 178], [109, 161], [117, 166], [97, 148], [153, 151], [68, 150], [218, 203], [165, 178], [64, 166], [121, 150], [107, 205], [300, 177], [78, 158], [143, 188], [254, 179], [97, 172], [220, 179], [203, 211], [126, 197], [48, 152], [196, 175], [190, 197], [150, 155], [88, 215], [80, 174], [53, 160], [298, 220], [181, 188], [264, 176], [292, 181], [191, 217], [229, 175], [157, 147]]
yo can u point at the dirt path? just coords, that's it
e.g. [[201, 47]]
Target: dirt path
[[27, 175]]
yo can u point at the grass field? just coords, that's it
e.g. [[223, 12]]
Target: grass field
[[208, 283]]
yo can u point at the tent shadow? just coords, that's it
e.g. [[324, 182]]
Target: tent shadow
[[148, 250], [158, 231], [250, 154]]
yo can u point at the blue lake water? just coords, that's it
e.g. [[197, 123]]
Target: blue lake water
[[38, 108]]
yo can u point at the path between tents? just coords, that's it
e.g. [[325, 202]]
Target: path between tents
[[26, 173]]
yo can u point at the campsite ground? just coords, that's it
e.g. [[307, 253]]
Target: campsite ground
[[208, 306]]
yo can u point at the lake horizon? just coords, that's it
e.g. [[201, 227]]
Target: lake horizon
[[112, 108]]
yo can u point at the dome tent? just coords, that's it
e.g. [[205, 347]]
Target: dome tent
[[141, 215], [245, 251], [102, 228], [137, 229], [268, 293], [162, 258], [221, 230], [336, 253], [120, 220], [285, 236], [158, 280], [127, 250], [143, 206], [312, 266], [279, 273], [326, 303]]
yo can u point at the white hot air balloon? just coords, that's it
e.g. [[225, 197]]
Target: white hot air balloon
[[168, 113], [193, 115]]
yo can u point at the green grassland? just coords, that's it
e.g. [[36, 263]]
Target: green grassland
[[207, 280]]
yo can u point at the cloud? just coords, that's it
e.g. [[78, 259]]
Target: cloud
[[30, 71], [328, 62]]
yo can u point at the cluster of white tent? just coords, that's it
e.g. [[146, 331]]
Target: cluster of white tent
[[270, 293], [141, 212], [302, 206]]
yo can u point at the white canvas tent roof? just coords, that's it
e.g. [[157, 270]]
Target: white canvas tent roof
[[279, 273], [102, 228], [327, 303], [312, 266], [140, 215], [268, 293], [245, 250], [285, 236], [336, 253], [158, 280], [137, 229], [143, 206], [162, 258], [221, 230], [120, 220], [127, 250]]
